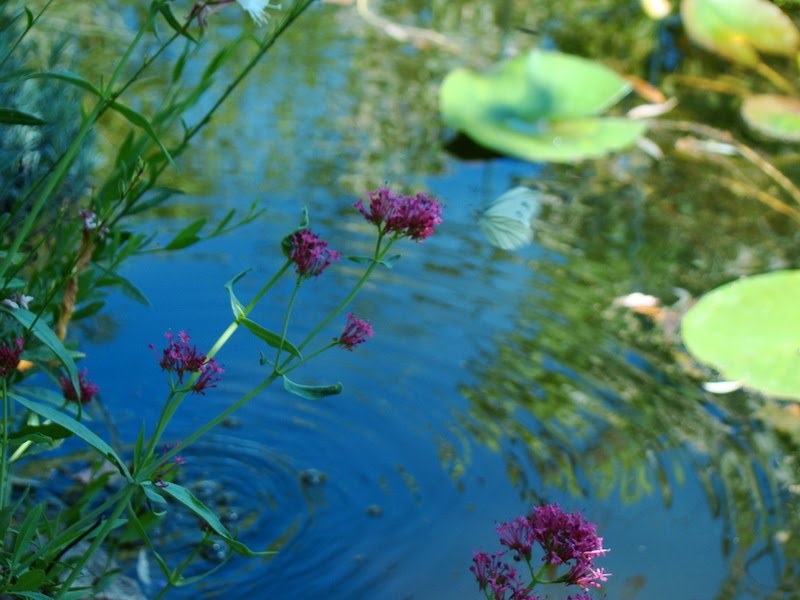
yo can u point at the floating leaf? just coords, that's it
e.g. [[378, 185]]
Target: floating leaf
[[567, 141], [537, 106], [736, 29], [749, 331], [773, 115], [311, 392], [9, 116]]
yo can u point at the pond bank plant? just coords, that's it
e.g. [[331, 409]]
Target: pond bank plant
[[62, 245]]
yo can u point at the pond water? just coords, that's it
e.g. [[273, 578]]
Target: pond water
[[495, 380]]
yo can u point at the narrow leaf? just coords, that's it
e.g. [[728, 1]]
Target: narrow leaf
[[27, 531], [188, 499], [76, 427], [9, 116], [236, 306], [125, 286], [173, 22], [45, 335], [68, 77], [311, 392], [139, 120], [272, 339], [187, 236]]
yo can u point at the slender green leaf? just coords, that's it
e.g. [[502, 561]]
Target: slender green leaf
[[87, 310], [29, 17], [27, 531], [139, 120], [8, 512], [76, 427], [125, 286], [137, 449], [311, 392], [391, 261], [45, 335], [165, 10], [236, 306], [188, 499], [154, 497], [70, 78], [187, 236], [272, 339], [9, 116], [40, 434]]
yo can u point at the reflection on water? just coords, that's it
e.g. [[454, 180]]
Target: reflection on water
[[495, 379]]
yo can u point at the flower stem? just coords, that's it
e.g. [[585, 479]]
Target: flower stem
[[377, 257], [226, 335], [286, 318], [4, 450], [148, 471]]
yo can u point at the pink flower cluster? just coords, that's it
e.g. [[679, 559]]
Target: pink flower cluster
[[356, 331], [566, 539], [180, 357], [414, 217], [309, 253], [87, 391], [9, 356]]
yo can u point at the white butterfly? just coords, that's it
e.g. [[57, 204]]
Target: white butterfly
[[506, 222]]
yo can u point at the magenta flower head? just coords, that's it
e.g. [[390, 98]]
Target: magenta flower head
[[180, 357], [497, 579], [9, 356], [309, 253], [413, 217], [568, 539], [356, 331], [87, 388]]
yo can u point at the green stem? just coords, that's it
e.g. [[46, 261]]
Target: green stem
[[149, 470], [377, 257], [161, 425], [174, 401], [307, 358], [226, 335], [4, 450], [286, 317]]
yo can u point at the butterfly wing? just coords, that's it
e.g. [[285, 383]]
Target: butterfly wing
[[506, 232], [506, 222]]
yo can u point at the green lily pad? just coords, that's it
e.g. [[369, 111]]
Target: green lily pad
[[736, 29], [750, 332], [564, 141], [774, 116], [537, 106]]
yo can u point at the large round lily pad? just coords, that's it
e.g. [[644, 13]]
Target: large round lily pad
[[540, 106], [749, 330], [736, 29], [774, 116]]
